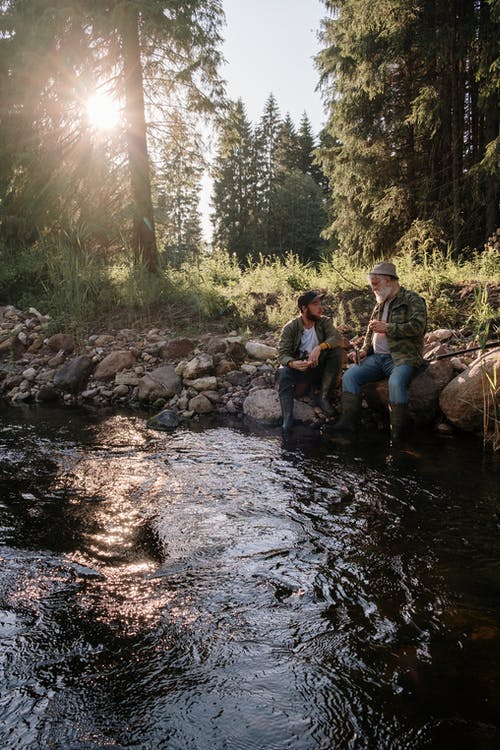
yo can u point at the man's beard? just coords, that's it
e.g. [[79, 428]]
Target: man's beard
[[383, 292], [312, 316]]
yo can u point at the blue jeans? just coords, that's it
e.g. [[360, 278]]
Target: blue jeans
[[378, 366]]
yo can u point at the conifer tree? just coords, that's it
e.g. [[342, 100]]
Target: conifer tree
[[408, 108], [234, 215]]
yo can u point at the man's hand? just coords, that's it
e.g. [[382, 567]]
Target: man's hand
[[352, 356], [314, 356], [379, 326], [299, 364]]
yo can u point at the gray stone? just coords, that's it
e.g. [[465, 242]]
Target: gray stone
[[165, 420], [200, 404], [160, 383], [207, 383], [262, 404], [73, 375], [258, 350], [200, 365], [471, 399], [114, 362]]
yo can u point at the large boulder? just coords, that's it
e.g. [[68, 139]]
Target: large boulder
[[113, 363], [423, 393], [73, 375], [425, 389], [160, 383], [471, 399], [262, 404]]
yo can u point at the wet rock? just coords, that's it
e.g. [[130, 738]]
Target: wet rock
[[47, 394], [165, 420], [200, 404], [73, 375], [113, 363], [160, 383]]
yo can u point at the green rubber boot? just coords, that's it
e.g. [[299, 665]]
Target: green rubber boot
[[398, 414], [350, 405]]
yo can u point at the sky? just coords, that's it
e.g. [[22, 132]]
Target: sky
[[269, 48]]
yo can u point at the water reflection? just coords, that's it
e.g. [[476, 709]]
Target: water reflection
[[218, 589]]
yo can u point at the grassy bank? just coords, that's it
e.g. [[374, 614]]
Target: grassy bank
[[84, 292]]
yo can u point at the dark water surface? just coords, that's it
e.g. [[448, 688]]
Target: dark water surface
[[216, 589]]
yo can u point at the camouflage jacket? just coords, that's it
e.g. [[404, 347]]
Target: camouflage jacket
[[406, 323], [291, 335]]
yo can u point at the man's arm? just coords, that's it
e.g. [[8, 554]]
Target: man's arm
[[416, 319], [286, 346]]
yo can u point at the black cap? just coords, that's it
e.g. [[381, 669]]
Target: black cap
[[308, 297]]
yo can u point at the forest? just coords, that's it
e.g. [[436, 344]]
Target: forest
[[104, 112]]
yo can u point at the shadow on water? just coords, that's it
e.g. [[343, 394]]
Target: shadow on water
[[216, 588]]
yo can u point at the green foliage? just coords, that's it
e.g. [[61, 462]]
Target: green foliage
[[413, 123]]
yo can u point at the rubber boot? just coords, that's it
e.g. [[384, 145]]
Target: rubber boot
[[286, 402], [328, 381], [398, 414], [350, 405]]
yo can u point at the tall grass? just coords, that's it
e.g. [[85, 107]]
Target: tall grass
[[82, 290]]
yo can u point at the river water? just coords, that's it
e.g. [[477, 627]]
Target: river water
[[215, 588]]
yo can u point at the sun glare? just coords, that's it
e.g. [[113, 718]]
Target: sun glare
[[103, 112]]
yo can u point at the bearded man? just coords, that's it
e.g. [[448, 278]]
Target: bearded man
[[392, 349], [310, 354]]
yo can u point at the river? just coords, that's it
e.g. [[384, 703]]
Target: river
[[215, 588]]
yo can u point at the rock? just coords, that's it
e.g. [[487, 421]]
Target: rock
[[200, 365], [440, 334], [464, 399], [262, 404], [223, 367], [238, 378], [177, 348], [126, 378], [103, 340], [29, 374], [73, 375], [216, 345], [165, 420], [200, 404], [207, 383], [249, 369], [120, 390], [61, 341], [160, 383], [113, 363], [257, 350], [57, 360], [235, 350], [425, 388], [47, 394]]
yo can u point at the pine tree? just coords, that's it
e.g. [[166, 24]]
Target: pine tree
[[179, 186], [408, 120], [234, 216], [152, 56]]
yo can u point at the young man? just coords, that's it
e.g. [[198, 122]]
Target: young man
[[392, 348], [310, 353]]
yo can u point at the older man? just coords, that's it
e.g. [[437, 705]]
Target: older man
[[310, 354], [392, 348]]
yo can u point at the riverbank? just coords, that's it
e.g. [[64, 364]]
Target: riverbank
[[231, 373]]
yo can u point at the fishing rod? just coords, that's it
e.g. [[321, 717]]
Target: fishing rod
[[488, 345]]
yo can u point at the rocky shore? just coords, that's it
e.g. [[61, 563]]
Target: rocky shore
[[179, 379]]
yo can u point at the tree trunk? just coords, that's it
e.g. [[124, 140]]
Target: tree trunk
[[143, 236]]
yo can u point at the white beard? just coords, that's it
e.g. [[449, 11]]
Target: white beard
[[383, 293]]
